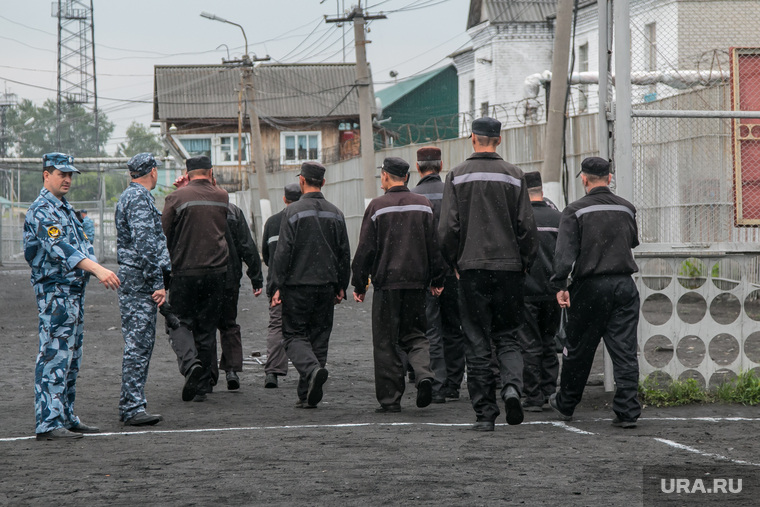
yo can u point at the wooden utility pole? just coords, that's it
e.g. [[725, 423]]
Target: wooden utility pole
[[253, 117], [363, 83]]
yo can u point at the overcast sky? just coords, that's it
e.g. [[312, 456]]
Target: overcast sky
[[132, 36]]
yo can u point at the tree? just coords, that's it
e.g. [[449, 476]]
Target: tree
[[139, 140], [33, 129]]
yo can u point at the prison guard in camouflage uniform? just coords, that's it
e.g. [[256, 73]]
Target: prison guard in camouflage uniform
[[143, 258], [54, 243]]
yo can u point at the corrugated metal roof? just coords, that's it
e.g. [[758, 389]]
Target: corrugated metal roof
[[391, 94], [282, 91], [510, 11]]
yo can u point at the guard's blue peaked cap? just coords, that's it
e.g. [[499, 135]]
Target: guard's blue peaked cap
[[141, 164], [60, 161]]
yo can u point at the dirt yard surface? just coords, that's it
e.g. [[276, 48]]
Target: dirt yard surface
[[252, 447]]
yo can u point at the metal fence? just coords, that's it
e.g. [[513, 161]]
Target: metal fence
[[699, 269]]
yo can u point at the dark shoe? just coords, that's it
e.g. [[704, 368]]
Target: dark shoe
[[58, 434], [513, 406], [143, 418], [439, 397], [83, 428], [412, 377], [200, 397], [233, 382], [528, 407], [424, 393], [553, 404], [623, 424], [451, 392], [317, 380], [192, 379], [270, 382], [303, 404], [384, 409], [482, 426]]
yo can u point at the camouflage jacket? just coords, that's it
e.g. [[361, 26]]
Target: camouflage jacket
[[54, 243], [140, 241]]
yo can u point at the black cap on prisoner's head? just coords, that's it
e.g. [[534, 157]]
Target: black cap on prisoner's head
[[60, 161], [533, 179], [395, 166], [141, 164], [428, 154], [202, 162], [292, 192], [313, 171], [595, 166], [486, 126]]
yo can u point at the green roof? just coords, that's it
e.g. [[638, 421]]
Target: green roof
[[393, 93]]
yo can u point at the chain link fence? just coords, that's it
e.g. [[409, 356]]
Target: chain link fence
[[696, 177], [683, 163]]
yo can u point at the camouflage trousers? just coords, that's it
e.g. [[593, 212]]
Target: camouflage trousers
[[61, 331], [138, 326]]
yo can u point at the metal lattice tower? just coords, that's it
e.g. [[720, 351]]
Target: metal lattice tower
[[76, 55], [7, 100]]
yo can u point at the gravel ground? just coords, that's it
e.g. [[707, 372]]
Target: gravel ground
[[252, 447]]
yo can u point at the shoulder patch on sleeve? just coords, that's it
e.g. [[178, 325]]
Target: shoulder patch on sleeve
[[53, 232]]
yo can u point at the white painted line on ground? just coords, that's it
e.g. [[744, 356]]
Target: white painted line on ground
[[683, 447], [564, 426], [557, 424]]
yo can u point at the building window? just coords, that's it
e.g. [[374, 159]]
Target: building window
[[228, 149], [221, 149], [472, 97], [483, 109], [297, 147], [583, 89], [196, 146], [650, 57]]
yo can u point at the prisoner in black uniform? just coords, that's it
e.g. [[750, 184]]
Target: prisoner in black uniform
[[277, 359], [310, 273], [596, 235], [444, 327], [542, 313], [399, 251], [488, 234]]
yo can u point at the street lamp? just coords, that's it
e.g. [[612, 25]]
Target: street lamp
[[214, 17]]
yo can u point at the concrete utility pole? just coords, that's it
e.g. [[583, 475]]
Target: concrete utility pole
[[555, 121], [363, 84]]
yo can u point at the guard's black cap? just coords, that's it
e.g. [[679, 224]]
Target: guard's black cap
[[533, 179], [202, 162], [596, 166], [486, 126], [292, 192], [395, 166], [312, 170]]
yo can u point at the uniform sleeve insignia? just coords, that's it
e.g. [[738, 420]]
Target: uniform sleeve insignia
[[85, 236], [54, 232]]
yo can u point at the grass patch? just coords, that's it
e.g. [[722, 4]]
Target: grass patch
[[745, 389], [658, 392], [679, 392]]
